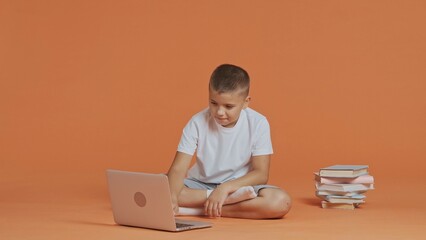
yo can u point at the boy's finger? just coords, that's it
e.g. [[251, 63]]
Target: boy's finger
[[217, 210], [208, 209], [206, 206], [214, 210]]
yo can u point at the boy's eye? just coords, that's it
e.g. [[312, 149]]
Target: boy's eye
[[229, 106], [213, 103]]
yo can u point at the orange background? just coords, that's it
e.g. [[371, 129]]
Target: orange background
[[91, 85]]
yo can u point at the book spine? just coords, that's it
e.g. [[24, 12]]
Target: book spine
[[364, 179], [326, 204]]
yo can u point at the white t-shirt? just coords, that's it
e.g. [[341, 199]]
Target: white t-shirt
[[223, 153]]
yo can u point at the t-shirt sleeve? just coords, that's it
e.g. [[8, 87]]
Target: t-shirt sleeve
[[262, 144], [189, 139]]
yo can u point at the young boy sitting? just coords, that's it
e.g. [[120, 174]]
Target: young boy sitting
[[233, 150]]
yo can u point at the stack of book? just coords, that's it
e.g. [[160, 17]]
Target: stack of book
[[343, 186]]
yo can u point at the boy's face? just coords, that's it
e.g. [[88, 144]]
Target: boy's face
[[226, 107]]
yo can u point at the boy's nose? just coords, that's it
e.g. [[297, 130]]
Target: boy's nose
[[220, 112]]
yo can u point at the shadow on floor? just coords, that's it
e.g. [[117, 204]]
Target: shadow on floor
[[90, 223], [310, 201]]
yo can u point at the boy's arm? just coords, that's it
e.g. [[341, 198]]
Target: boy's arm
[[176, 175], [258, 174]]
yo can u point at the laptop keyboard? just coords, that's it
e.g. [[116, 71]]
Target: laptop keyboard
[[183, 225]]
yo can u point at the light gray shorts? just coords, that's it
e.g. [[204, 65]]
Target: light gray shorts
[[195, 184]]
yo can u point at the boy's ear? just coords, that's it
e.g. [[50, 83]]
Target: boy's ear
[[246, 102]]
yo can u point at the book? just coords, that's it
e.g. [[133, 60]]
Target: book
[[343, 194], [332, 180], [350, 206], [343, 199], [353, 196], [344, 187], [345, 171]]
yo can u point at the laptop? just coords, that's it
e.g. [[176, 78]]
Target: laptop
[[144, 200]]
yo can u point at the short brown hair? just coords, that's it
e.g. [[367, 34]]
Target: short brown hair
[[228, 78]]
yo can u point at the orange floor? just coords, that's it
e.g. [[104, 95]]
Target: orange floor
[[45, 208], [89, 85]]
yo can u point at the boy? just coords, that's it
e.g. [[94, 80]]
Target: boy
[[233, 148]]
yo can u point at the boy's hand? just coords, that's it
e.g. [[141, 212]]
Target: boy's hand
[[175, 205], [213, 205]]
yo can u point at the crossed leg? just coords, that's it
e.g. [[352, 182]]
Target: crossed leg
[[270, 203]]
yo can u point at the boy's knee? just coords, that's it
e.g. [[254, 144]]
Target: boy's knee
[[279, 204]]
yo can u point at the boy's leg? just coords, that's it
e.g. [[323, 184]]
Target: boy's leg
[[194, 193], [242, 194], [270, 203], [197, 197], [193, 198]]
